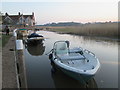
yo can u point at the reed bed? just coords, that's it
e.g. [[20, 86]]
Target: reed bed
[[99, 30]]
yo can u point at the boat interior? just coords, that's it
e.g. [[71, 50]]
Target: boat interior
[[73, 57]]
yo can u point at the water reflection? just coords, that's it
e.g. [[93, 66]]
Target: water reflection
[[35, 50], [38, 68], [61, 80], [98, 40]]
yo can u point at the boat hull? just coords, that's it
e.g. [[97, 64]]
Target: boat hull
[[81, 64], [22, 33], [34, 41], [82, 78]]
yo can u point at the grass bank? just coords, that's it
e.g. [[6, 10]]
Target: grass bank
[[0, 41], [109, 30], [4, 39]]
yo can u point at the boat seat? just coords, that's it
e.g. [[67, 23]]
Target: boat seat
[[75, 50], [67, 57], [61, 48], [62, 52]]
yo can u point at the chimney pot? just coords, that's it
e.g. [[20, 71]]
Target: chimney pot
[[33, 13], [19, 13], [6, 14]]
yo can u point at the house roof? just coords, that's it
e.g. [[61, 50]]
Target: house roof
[[31, 16], [16, 17]]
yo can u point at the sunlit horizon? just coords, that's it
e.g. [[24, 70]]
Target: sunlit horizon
[[48, 12]]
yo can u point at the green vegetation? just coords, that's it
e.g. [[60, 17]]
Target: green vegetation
[[0, 41], [109, 30], [63, 24], [4, 39]]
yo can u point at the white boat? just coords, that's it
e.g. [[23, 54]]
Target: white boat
[[75, 62]]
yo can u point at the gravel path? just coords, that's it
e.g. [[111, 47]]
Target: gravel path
[[8, 65]]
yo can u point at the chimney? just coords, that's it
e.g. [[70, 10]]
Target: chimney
[[33, 13], [19, 13], [6, 14]]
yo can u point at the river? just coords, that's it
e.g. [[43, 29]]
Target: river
[[38, 65]]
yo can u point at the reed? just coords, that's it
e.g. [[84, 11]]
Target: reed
[[100, 30]]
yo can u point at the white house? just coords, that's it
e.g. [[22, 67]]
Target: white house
[[19, 19]]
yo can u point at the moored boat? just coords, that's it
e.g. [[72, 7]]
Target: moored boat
[[35, 38], [22, 32], [75, 62]]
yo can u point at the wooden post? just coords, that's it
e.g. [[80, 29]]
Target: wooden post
[[21, 64]]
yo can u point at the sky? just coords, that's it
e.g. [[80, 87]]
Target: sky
[[48, 11]]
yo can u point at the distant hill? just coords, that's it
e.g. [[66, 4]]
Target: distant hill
[[73, 23], [62, 24]]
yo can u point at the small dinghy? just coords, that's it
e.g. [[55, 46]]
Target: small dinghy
[[22, 32], [75, 62], [34, 38]]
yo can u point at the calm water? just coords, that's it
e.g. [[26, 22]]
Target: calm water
[[38, 65]]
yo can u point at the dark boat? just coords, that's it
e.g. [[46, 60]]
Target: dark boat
[[35, 38]]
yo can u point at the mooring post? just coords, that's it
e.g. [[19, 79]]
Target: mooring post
[[21, 64], [15, 33]]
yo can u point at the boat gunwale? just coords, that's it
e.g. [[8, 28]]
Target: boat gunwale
[[87, 72]]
